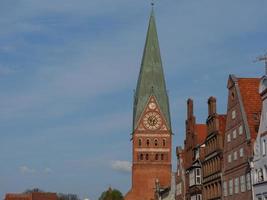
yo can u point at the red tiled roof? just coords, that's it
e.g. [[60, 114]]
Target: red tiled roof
[[249, 89], [201, 131]]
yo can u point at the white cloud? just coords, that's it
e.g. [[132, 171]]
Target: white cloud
[[121, 166], [26, 170], [48, 170]]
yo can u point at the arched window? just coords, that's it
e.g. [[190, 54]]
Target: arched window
[[147, 157], [164, 142], [162, 156], [141, 156], [139, 142], [156, 157], [156, 142], [147, 142]]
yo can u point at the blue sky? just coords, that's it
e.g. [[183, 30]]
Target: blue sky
[[68, 70]]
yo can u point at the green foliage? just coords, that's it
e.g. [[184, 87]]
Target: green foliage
[[111, 194]]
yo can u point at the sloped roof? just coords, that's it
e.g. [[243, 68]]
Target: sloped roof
[[201, 131], [151, 77], [249, 90]]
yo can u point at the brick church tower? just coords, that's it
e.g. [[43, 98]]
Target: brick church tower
[[152, 136]]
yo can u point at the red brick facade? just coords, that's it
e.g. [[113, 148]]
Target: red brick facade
[[195, 136], [243, 117], [151, 156], [180, 174], [32, 196], [212, 163]]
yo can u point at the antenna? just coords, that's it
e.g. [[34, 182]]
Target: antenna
[[262, 58]]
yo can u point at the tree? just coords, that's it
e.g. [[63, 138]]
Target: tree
[[111, 194]]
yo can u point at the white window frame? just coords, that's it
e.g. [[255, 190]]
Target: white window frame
[[198, 176], [241, 152], [236, 185], [240, 130], [242, 183], [233, 114], [248, 181], [229, 158], [234, 134], [225, 189], [192, 178], [230, 185], [235, 155], [263, 146], [229, 137]]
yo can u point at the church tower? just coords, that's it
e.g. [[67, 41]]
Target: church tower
[[152, 136]]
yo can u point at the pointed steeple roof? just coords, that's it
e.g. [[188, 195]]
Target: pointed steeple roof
[[151, 77]]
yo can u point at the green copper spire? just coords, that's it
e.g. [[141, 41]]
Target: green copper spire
[[151, 77]]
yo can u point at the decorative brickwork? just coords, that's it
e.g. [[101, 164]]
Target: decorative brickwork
[[212, 163]]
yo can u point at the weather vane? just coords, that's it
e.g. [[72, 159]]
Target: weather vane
[[264, 59], [152, 3]]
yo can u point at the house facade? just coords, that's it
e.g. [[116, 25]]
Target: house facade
[[259, 171], [180, 174], [195, 136], [242, 123], [213, 159]]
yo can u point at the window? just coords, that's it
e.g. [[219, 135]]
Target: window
[[242, 183], [235, 155], [236, 185], [198, 176], [156, 142], [140, 142], [233, 114], [263, 147], [179, 189], [241, 152], [225, 188], [147, 142], [229, 137], [147, 157], [230, 158], [240, 130], [248, 180], [260, 175], [156, 156], [191, 178], [231, 187], [199, 197], [234, 134], [162, 156], [164, 142], [141, 157]]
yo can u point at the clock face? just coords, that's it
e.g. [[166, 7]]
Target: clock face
[[152, 106], [152, 120]]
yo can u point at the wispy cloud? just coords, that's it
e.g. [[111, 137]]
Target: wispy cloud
[[26, 170], [121, 166]]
